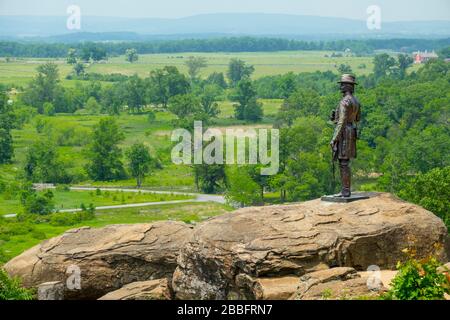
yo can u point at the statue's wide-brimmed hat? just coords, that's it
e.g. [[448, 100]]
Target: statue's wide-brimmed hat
[[348, 78]]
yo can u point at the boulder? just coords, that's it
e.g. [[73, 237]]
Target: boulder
[[281, 288], [227, 251], [143, 290], [336, 284], [92, 262]]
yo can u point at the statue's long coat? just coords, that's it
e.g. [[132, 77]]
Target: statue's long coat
[[348, 114]]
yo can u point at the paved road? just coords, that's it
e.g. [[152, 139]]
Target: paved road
[[198, 197]]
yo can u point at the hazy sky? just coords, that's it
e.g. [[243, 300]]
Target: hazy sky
[[392, 10]]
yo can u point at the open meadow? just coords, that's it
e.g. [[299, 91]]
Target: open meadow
[[19, 71]]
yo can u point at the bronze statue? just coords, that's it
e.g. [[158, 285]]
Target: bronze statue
[[346, 118]]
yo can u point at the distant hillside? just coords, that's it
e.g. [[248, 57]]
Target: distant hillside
[[223, 24]]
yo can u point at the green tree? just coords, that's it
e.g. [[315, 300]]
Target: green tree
[[238, 70], [6, 146], [85, 54], [430, 190], [209, 178], [242, 189], [302, 102], [92, 51], [194, 65], [247, 108], [112, 98], [71, 56], [444, 53], [131, 55], [40, 203], [140, 162], [105, 154], [135, 96], [217, 78], [166, 83], [44, 87], [184, 105], [287, 84], [208, 100], [383, 64], [78, 68], [344, 68], [42, 164], [404, 62], [305, 160], [7, 120], [92, 106]]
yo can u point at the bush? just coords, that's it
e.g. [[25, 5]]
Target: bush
[[419, 280], [11, 289], [63, 219], [36, 203], [70, 219]]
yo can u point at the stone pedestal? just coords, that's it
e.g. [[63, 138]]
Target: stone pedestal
[[51, 291], [354, 197]]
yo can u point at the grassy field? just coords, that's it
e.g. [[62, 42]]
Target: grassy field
[[13, 245], [20, 71], [137, 128], [265, 63], [73, 199]]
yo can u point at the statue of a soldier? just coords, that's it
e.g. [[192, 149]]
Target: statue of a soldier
[[346, 118]]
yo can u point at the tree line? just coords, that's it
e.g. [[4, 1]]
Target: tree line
[[100, 50]]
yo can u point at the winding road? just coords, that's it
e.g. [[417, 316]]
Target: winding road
[[198, 197]]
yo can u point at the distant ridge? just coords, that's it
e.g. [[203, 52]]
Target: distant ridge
[[255, 24]]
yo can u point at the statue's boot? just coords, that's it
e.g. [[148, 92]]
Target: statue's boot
[[345, 171]]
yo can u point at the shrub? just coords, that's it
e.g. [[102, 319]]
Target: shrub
[[11, 289], [70, 219], [37, 203], [419, 280], [63, 219]]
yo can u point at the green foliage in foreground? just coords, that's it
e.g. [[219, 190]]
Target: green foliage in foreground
[[419, 280], [11, 289]]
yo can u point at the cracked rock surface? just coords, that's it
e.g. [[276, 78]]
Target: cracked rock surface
[[223, 253], [108, 258]]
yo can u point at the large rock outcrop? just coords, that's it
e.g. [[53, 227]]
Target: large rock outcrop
[[235, 255], [108, 258]]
